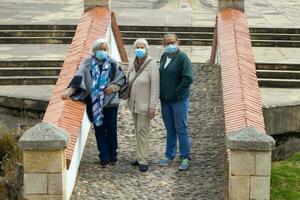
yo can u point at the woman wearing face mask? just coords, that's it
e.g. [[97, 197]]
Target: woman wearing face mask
[[97, 83], [175, 80], [144, 96]]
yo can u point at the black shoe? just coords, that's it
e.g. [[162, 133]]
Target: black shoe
[[104, 164], [114, 162], [135, 163], [143, 168]]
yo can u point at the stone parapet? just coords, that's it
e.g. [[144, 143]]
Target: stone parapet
[[250, 164], [44, 162]]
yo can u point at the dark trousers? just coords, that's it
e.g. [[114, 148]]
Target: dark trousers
[[106, 135]]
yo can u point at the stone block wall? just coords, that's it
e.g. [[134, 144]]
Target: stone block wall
[[249, 164], [250, 175], [44, 158]]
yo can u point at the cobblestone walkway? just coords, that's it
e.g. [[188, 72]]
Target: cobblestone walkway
[[207, 177]]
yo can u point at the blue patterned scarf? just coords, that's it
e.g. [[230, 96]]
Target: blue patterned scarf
[[99, 83]]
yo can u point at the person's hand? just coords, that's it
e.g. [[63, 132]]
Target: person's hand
[[108, 91], [151, 113], [66, 94]]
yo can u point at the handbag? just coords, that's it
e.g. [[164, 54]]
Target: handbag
[[124, 92]]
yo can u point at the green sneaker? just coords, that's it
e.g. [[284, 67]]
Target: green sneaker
[[165, 161], [185, 164]]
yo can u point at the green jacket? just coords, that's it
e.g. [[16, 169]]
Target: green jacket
[[176, 78]]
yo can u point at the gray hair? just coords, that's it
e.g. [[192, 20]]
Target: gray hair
[[168, 35], [143, 41], [97, 44]]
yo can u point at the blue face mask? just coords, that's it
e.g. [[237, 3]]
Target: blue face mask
[[140, 53], [101, 55], [171, 48]]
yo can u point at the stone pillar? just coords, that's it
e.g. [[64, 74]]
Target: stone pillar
[[88, 4], [44, 162], [249, 164], [236, 4]]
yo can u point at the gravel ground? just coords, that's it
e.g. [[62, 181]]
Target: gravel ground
[[207, 178]]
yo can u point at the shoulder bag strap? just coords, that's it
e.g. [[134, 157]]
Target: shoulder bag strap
[[140, 71]]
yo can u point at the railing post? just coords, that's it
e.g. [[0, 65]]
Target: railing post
[[88, 4], [44, 162], [214, 45], [250, 164], [236, 4]]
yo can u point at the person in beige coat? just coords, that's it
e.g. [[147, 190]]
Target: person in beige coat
[[143, 99]]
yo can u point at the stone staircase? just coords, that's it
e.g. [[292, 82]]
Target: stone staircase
[[36, 34], [202, 36], [269, 74], [45, 72], [37, 72], [278, 75]]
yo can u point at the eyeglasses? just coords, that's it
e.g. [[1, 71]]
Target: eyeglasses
[[168, 43]]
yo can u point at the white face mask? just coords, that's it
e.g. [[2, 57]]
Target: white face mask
[[171, 48]]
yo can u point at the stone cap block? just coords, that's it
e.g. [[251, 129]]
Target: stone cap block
[[250, 139], [44, 136], [89, 4], [235, 4]]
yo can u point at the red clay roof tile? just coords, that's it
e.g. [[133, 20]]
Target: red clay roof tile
[[66, 113], [242, 102]]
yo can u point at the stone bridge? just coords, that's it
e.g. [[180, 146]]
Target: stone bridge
[[231, 154]]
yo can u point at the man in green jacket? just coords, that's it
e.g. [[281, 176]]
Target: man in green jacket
[[176, 76]]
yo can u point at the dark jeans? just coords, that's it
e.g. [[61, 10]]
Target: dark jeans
[[106, 135]]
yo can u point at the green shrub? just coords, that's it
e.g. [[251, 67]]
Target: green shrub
[[3, 193], [10, 153], [10, 157]]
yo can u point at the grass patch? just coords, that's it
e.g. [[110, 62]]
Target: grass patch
[[285, 179]]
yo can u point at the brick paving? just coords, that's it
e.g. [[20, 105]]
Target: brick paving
[[207, 177]]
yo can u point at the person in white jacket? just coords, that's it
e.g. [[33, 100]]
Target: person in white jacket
[[144, 96]]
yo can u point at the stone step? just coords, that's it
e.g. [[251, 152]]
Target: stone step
[[37, 33], [204, 29], [180, 35], [208, 42], [278, 74], [183, 41], [207, 35], [37, 27], [32, 97], [30, 71], [145, 28], [277, 66], [275, 43], [28, 80], [35, 40], [31, 63], [279, 83], [166, 28], [275, 36]]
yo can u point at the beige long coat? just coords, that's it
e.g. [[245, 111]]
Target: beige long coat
[[145, 89]]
